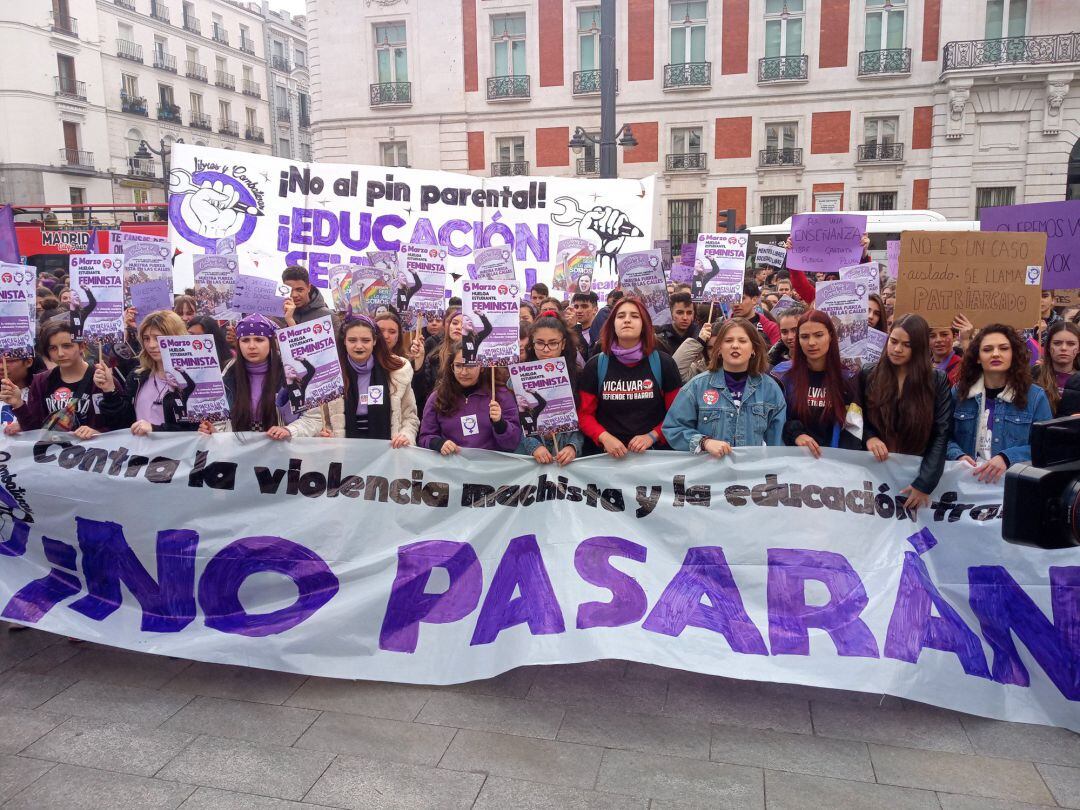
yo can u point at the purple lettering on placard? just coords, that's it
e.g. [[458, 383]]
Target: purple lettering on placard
[[1060, 221], [823, 243], [628, 600], [520, 569]]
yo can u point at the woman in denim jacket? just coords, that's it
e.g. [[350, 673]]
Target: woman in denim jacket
[[995, 404], [735, 403]]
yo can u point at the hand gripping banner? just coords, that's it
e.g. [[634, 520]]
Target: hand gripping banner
[[346, 559]]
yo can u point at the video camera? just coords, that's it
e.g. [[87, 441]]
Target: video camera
[[1042, 499]]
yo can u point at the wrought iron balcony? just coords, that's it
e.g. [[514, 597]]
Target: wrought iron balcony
[[223, 79], [128, 4], [587, 82], [882, 63], [165, 61], [252, 88], [169, 112], [126, 49], [782, 69], [193, 70], [510, 168], [881, 152], [76, 158], [780, 157], [142, 167], [69, 87], [280, 63], [219, 34], [686, 162], [247, 45], [391, 93], [65, 24], [588, 166], [227, 127], [687, 75], [283, 114], [253, 133], [192, 24], [1047, 49], [133, 105], [159, 11], [200, 120], [500, 88]]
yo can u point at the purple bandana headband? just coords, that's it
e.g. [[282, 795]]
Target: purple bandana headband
[[359, 317], [255, 326]]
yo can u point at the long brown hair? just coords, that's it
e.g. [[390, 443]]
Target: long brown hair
[[381, 351], [648, 337], [759, 360], [904, 422], [401, 350], [448, 391], [1046, 377], [241, 414], [445, 355], [1017, 378], [797, 380]]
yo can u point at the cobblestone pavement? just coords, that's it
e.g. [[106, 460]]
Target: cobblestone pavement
[[86, 726]]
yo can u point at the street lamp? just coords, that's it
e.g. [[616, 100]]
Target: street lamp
[[146, 152]]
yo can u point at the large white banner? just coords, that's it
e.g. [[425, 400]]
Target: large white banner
[[284, 212], [347, 559]]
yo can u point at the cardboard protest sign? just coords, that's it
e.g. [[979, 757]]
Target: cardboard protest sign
[[988, 276], [494, 264], [1066, 298], [823, 243], [191, 366], [491, 308], [97, 298], [719, 267], [893, 264], [256, 294], [874, 346], [215, 282], [545, 398], [310, 359], [18, 309], [770, 255], [869, 274], [421, 282], [846, 303], [1060, 221], [642, 274]]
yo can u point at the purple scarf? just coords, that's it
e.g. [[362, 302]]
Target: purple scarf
[[363, 380], [257, 380], [628, 357]]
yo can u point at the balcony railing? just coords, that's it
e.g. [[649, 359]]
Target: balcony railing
[[227, 127], [64, 24], [283, 114], [247, 45], [587, 166], [253, 133], [251, 88], [782, 69], [881, 63], [193, 70], [169, 112], [780, 157], [881, 152], [128, 4], [200, 120], [69, 87], [133, 105], [587, 82], [159, 11], [165, 61], [220, 34], [686, 162], [126, 49], [78, 158], [508, 87], [192, 24], [280, 63], [510, 168], [223, 79], [142, 167], [687, 75], [391, 93], [1047, 49]]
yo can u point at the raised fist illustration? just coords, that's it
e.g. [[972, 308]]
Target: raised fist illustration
[[612, 227], [209, 209]]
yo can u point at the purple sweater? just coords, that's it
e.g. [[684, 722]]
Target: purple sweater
[[470, 426]]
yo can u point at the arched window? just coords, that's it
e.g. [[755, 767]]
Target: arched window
[[1072, 185]]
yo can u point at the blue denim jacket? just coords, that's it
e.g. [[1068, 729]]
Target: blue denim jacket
[[1011, 428], [704, 409]]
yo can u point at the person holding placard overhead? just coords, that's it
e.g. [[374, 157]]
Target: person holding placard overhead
[[907, 406]]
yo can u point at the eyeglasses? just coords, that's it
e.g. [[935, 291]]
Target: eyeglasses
[[465, 366], [547, 344]]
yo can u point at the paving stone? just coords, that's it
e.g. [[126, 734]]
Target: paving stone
[[826, 695], [19, 645], [959, 773], [548, 761], [393, 701], [235, 683], [107, 746], [20, 727], [499, 793], [912, 727], [28, 690], [952, 801], [74, 788], [727, 702], [994, 738], [212, 799], [374, 785], [597, 689], [49, 658], [121, 667], [377, 738], [122, 704], [801, 753], [18, 772], [265, 770], [257, 722], [513, 684], [683, 781], [1064, 783], [528, 718], [674, 736], [792, 791]]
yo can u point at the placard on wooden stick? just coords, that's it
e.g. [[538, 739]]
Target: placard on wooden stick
[[991, 277]]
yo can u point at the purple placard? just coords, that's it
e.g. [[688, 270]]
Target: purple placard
[[491, 307], [681, 273], [18, 313], [688, 252], [823, 243], [1060, 221], [150, 296], [310, 360], [256, 294], [892, 266], [545, 399], [97, 298], [193, 370], [642, 274]]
